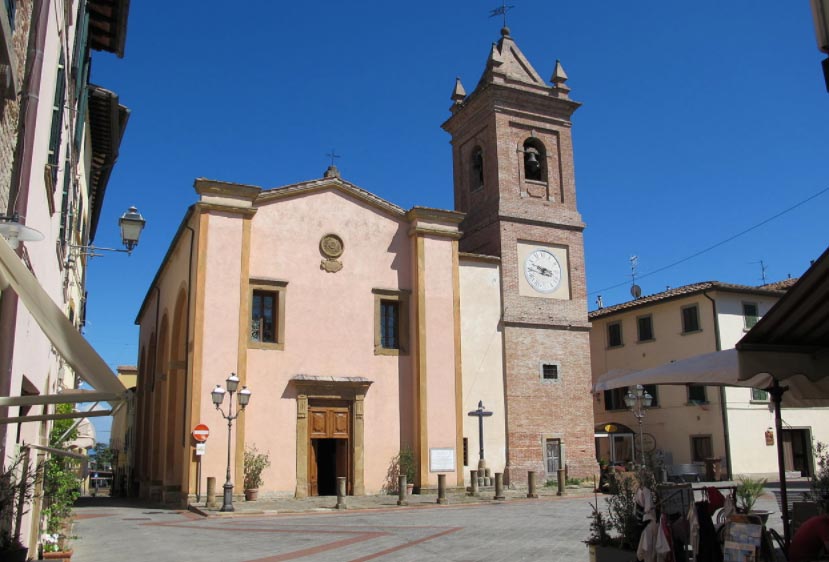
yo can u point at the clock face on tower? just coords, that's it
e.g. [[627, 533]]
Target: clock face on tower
[[542, 270]]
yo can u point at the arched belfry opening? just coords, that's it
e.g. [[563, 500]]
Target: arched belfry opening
[[477, 173], [535, 160]]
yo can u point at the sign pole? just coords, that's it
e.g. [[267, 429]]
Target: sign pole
[[200, 434]]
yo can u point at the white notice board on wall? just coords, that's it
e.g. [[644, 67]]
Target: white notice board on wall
[[442, 459]]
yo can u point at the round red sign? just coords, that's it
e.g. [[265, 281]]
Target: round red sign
[[201, 432]]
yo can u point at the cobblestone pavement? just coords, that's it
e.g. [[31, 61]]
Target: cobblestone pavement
[[373, 528]]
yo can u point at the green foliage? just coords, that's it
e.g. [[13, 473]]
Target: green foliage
[[819, 491], [406, 461], [17, 483], [621, 509], [61, 479], [255, 464], [748, 490], [599, 526], [104, 456]]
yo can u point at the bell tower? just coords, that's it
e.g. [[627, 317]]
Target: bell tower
[[513, 176]]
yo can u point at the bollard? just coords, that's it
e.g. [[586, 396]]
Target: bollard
[[473, 478], [560, 482], [211, 492], [531, 493], [442, 490], [499, 486], [341, 492], [401, 490], [488, 477]]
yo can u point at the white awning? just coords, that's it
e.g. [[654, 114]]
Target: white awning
[[67, 340], [724, 368]]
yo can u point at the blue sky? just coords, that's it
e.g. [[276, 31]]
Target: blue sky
[[700, 120]]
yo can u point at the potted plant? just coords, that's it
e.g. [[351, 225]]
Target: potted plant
[[614, 538], [748, 490], [17, 483], [255, 464], [406, 464], [61, 487]]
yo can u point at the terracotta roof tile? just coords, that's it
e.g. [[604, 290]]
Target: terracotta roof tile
[[772, 289]]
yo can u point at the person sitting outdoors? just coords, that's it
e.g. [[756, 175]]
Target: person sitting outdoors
[[811, 540]]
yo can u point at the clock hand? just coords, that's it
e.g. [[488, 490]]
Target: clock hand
[[543, 271]]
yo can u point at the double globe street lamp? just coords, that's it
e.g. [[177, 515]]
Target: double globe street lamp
[[637, 400], [218, 395]]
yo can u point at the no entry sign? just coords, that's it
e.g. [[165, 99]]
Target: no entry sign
[[201, 432]]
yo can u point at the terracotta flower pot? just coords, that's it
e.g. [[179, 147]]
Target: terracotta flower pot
[[62, 555], [251, 494]]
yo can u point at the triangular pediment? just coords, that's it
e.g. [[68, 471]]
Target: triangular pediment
[[324, 184]]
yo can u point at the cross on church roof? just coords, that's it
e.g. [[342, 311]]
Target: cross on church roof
[[332, 155], [501, 11]]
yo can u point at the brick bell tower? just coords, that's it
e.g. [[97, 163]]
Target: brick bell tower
[[513, 172]]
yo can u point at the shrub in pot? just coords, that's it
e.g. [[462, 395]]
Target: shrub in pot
[[255, 463], [748, 491]]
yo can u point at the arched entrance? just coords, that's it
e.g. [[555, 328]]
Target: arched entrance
[[614, 443]]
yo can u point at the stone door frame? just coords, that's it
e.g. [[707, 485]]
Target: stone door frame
[[348, 389]]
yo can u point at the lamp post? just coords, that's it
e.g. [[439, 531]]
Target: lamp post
[[218, 395], [637, 400]]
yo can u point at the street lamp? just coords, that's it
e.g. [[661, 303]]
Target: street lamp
[[218, 395], [131, 223], [637, 399]]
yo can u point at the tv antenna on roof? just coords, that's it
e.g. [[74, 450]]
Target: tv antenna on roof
[[763, 268], [635, 290]]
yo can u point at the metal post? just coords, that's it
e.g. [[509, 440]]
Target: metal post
[[776, 392], [561, 480], [227, 498], [531, 493], [473, 478], [341, 492], [211, 491], [641, 437], [499, 486], [401, 490], [198, 480]]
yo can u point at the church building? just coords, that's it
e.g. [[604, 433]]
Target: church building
[[363, 329]]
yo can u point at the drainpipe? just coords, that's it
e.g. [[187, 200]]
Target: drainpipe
[[723, 405], [19, 188]]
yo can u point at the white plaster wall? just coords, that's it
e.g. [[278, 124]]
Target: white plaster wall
[[482, 350]]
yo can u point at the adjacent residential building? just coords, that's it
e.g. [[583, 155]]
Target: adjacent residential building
[[363, 329], [59, 139], [688, 424]]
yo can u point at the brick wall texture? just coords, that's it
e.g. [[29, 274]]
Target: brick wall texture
[[510, 209], [10, 111]]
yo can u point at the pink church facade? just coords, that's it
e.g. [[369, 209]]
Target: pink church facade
[[337, 309]]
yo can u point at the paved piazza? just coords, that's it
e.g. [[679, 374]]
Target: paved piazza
[[549, 529]]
